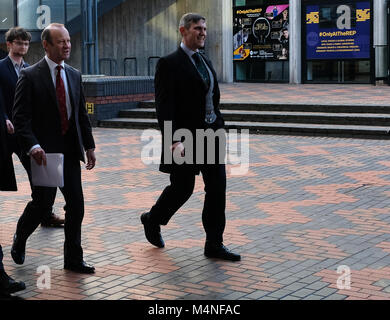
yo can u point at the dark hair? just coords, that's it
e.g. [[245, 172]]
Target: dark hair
[[17, 33], [46, 32], [189, 18]]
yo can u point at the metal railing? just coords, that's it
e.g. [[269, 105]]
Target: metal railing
[[149, 60], [134, 59], [113, 65]]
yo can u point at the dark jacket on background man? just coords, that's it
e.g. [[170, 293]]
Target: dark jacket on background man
[[8, 80], [7, 173]]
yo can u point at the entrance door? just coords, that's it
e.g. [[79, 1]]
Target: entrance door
[[338, 71]]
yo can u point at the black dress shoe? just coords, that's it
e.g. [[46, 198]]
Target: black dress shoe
[[152, 231], [18, 250], [54, 220], [9, 285], [81, 267], [219, 251]]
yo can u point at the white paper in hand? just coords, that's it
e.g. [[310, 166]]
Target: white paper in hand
[[51, 175]]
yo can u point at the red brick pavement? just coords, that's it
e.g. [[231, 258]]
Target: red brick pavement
[[307, 206], [306, 93]]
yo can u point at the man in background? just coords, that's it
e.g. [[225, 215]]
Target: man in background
[[18, 41]]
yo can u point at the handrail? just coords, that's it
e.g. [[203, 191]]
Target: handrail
[[113, 63], [130, 59], [149, 59]]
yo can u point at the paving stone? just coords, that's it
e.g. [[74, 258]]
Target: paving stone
[[306, 206]]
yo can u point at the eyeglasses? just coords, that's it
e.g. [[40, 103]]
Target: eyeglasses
[[21, 43]]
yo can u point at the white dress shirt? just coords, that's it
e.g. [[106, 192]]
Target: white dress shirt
[[53, 71]]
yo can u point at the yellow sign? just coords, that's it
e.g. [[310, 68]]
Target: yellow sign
[[90, 107], [240, 53], [362, 15], [312, 17]]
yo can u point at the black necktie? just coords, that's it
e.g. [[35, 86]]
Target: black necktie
[[200, 65]]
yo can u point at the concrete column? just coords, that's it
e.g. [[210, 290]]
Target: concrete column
[[219, 43], [295, 57], [380, 37], [227, 41]]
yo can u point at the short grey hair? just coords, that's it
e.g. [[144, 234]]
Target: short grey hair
[[189, 18]]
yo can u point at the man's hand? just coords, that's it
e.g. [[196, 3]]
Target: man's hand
[[39, 156], [179, 146], [10, 127], [91, 159]]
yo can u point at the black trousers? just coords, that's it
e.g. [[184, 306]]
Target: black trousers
[[181, 189], [13, 147], [43, 199]]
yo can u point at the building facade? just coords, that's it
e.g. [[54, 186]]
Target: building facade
[[288, 41]]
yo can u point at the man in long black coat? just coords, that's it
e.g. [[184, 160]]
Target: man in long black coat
[[7, 183], [187, 99]]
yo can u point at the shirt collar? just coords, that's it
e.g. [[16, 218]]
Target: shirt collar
[[52, 64], [14, 63], [187, 50]]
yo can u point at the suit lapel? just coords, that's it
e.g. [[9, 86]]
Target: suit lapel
[[12, 71], [74, 94], [47, 80]]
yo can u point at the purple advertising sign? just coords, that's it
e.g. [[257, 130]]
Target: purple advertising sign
[[338, 31]]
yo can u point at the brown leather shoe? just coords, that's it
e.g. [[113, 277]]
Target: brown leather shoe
[[54, 221]]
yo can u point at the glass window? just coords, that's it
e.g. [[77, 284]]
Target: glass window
[[6, 14], [263, 71], [73, 8], [37, 14], [338, 71]]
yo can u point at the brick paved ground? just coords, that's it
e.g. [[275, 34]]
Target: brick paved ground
[[358, 94], [307, 206]]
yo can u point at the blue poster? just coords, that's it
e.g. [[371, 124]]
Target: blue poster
[[338, 31]]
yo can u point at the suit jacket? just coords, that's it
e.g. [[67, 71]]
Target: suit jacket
[[181, 98], [36, 113], [7, 174], [8, 80]]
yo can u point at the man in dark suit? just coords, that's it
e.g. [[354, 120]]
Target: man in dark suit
[[18, 41], [187, 97], [50, 117], [7, 183]]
